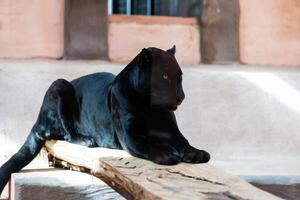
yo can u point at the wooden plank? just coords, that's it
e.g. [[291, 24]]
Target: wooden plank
[[141, 179]]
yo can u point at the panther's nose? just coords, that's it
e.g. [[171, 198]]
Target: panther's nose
[[180, 95]]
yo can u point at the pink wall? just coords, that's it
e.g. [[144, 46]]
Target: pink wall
[[270, 32], [128, 35], [31, 28]]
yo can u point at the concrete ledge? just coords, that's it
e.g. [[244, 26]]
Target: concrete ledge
[[58, 184], [142, 19]]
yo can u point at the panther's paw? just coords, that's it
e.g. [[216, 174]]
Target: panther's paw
[[193, 155], [89, 141], [166, 157]]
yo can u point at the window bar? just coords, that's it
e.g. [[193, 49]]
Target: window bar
[[128, 7], [148, 7], [110, 7]]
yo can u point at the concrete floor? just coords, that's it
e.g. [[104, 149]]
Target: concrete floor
[[247, 117]]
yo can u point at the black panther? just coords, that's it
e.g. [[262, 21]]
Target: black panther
[[131, 111]]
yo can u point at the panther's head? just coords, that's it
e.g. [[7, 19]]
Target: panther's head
[[160, 77]]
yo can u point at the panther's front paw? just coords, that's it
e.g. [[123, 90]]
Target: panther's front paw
[[165, 156], [89, 141], [193, 155]]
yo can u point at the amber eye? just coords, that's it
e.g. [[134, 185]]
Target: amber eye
[[165, 76]]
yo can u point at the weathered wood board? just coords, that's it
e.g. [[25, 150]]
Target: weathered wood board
[[136, 178]]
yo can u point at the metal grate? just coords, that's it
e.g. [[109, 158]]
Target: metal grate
[[121, 6]]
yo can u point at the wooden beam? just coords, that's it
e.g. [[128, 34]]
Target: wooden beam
[[136, 178]]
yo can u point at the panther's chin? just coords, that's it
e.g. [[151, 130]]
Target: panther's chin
[[172, 108]]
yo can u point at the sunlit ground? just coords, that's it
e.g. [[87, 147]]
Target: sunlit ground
[[246, 117], [276, 87]]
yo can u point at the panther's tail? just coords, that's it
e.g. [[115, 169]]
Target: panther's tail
[[23, 157]]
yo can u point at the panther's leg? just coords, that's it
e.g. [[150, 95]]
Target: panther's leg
[[157, 151], [68, 113], [190, 153], [172, 152], [60, 110]]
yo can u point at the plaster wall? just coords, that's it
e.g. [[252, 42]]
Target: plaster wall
[[270, 32], [31, 28]]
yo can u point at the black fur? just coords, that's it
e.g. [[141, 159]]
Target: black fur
[[131, 111]]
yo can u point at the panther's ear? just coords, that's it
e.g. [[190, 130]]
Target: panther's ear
[[145, 58], [172, 50]]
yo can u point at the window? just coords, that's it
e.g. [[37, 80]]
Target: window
[[143, 7]]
